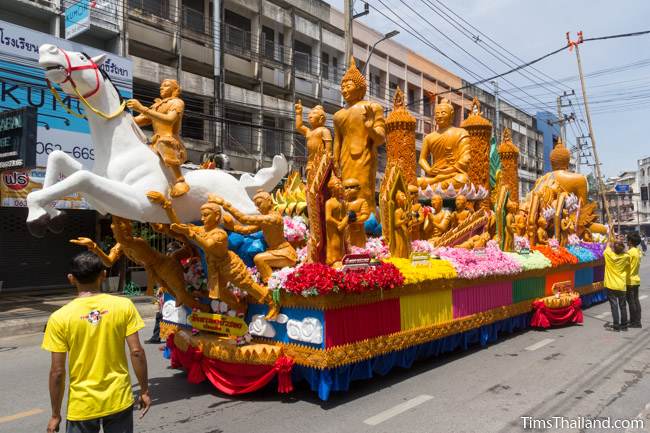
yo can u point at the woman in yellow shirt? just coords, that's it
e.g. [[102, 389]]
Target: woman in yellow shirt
[[617, 264], [633, 279]]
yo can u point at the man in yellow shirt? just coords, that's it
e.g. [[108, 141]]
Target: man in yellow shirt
[[92, 328], [617, 264], [633, 279]]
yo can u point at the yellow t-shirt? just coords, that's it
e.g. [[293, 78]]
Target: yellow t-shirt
[[633, 278], [616, 269], [93, 330]]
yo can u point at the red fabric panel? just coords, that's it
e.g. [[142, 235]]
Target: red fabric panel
[[557, 277], [359, 322], [229, 378], [545, 317]]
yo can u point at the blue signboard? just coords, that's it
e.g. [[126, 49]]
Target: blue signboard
[[77, 18], [622, 188]]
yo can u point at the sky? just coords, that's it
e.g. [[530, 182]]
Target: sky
[[617, 71]]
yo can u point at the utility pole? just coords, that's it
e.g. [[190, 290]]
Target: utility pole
[[497, 109], [599, 180], [348, 13]]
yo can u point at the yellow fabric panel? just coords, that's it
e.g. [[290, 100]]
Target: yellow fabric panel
[[424, 309]]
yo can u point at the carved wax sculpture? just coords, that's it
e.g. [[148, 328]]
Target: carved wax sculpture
[[445, 155], [439, 219], [358, 213], [401, 242], [461, 213], [480, 132], [163, 270], [400, 139], [520, 223], [279, 252], [358, 130], [166, 116], [511, 227], [319, 137], [224, 266], [417, 213], [542, 231], [336, 222], [567, 227], [476, 241], [509, 155]]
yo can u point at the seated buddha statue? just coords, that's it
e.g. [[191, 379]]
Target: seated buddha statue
[[445, 154]]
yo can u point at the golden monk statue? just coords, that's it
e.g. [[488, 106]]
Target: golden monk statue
[[462, 211], [542, 231], [511, 226], [224, 266], [319, 137], [279, 252], [358, 212], [445, 155], [358, 130], [567, 227], [400, 245], [439, 219], [165, 116], [336, 222], [417, 213], [476, 241], [163, 270]]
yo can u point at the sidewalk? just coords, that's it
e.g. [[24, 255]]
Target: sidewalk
[[27, 313]]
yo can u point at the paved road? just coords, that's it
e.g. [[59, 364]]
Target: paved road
[[571, 372]]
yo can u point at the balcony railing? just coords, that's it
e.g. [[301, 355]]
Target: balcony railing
[[159, 8], [302, 62], [236, 40], [195, 20]]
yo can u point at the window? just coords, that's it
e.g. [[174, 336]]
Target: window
[[269, 43], [237, 33], [193, 123], [239, 132], [159, 8], [325, 65]]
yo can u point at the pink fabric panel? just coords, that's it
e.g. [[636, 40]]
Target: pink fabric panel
[[475, 299]]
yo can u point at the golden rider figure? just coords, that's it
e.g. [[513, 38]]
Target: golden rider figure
[[358, 131], [165, 116], [319, 137]]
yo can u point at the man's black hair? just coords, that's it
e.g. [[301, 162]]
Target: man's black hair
[[86, 267], [633, 239]]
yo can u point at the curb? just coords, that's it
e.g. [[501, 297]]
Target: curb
[[14, 327]]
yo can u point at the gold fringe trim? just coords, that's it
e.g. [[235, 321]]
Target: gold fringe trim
[[221, 348], [167, 329]]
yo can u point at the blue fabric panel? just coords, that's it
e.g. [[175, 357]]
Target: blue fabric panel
[[593, 298], [292, 313], [584, 276]]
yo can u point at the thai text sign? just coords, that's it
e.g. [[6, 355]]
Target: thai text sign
[[18, 138], [356, 262], [218, 323], [16, 184]]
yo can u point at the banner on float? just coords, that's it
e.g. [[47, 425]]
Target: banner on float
[[218, 323], [16, 184], [22, 83]]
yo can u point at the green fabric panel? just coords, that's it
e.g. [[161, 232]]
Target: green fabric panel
[[527, 288]]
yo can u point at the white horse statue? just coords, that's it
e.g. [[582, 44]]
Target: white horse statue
[[125, 169]]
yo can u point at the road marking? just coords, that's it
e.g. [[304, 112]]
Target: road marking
[[605, 314], [642, 297], [396, 410], [19, 415], [540, 344]]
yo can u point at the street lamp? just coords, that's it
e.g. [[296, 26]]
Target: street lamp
[[383, 38]]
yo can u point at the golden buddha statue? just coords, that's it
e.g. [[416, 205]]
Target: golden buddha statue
[[445, 155], [462, 211], [165, 116], [279, 252], [439, 219], [400, 245], [417, 213], [336, 222], [358, 131], [358, 212], [319, 137]]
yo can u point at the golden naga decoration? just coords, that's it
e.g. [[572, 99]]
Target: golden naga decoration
[[359, 129], [480, 131], [319, 137], [470, 233], [417, 213], [292, 198], [400, 139], [279, 252], [509, 155], [336, 223], [317, 193], [358, 213], [224, 266], [446, 154], [166, 116], [400, 245], [161, 269], [438, 219]]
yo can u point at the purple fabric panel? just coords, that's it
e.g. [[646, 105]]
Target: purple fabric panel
[[475, 299], [599, 273]]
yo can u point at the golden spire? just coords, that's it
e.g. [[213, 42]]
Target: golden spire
[[400, 118], [560, 156], [476, 117], [355, 75], [507, 148]]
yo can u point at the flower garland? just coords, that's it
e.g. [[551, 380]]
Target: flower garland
[[436, 270], [295, 229], [421, 246], [596, 248], [314, 279], [521, 243], [279, 277], [558, 256], [195, 278], [472, 264], [532, 260], [375, 248], [583, 254]]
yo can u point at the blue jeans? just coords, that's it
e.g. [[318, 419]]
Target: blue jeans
[[121, 422], [618, 303]]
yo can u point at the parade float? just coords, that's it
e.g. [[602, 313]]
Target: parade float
[[327, 280]]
